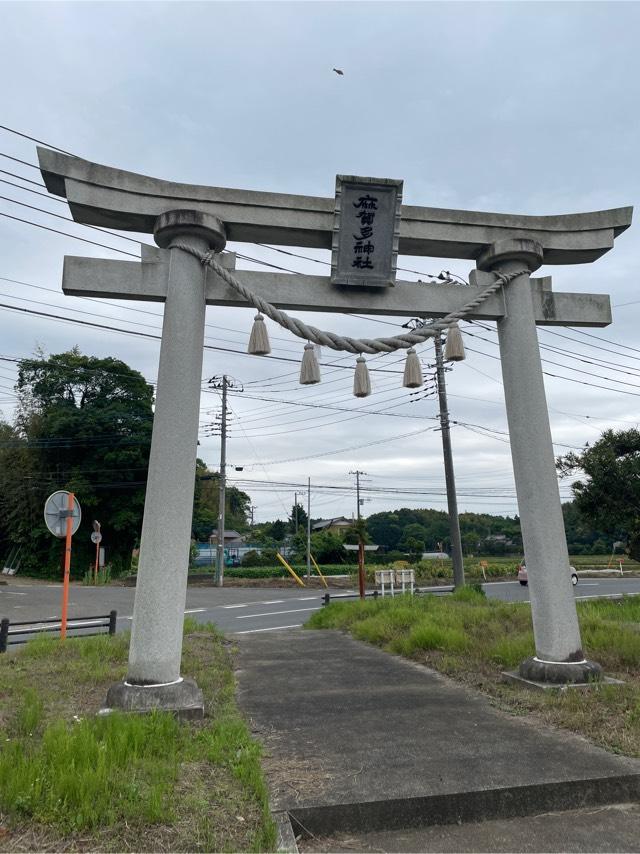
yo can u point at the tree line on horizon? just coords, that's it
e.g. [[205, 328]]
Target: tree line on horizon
[[84, 424]]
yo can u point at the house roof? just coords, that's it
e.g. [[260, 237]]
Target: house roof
[[228, 535], [328, 523]]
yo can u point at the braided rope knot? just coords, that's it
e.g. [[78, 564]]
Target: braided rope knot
[[346, 343]]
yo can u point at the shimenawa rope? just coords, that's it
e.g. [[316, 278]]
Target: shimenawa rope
[[344, 342]]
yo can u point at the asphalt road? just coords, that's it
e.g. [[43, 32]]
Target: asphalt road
[[235, 610]]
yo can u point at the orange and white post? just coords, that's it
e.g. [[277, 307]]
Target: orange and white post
[[67, 566]]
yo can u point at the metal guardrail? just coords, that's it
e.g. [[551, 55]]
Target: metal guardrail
[[328, 598], [13, 632]]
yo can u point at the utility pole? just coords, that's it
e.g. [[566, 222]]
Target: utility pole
[[295, 509], [223, 486], [308, 528], [357, 474], [361, 584], [452, 502], [223, 383]]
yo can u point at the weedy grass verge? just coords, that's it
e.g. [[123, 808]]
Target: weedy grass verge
[[473, 639], [73, 781]]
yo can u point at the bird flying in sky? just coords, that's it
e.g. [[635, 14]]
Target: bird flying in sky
[[339, 71]]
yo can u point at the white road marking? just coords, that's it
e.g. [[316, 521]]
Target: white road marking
[[191, 611], [273, 613], [273, 629], [271, 602], [498, 583], [242, 605], [305, 598], [609, 595], [15, 593]]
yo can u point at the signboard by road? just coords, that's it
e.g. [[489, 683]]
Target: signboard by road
[[56, 511]]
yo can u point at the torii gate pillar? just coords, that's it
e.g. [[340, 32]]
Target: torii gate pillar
[[559, 657], [154, 680]]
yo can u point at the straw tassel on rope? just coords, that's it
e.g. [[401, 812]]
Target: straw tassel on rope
[[454, 349], [259, 338], [361, 381], [412, 370], [309, 369]]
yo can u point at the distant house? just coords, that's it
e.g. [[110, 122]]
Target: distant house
[[337, 525], [231, 538]]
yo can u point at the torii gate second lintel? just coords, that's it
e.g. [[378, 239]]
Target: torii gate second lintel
[[200, 219]]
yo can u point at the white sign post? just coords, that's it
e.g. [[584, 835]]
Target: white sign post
[[96, 539]]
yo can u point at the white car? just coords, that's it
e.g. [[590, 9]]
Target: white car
[[523, 578]]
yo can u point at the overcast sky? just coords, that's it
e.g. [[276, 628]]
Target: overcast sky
[[508, 107]]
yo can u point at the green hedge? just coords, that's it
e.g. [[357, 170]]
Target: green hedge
[[281, 572]]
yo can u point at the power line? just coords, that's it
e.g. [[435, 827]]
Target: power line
[[66, 234], [17, 160], [34, 139], [66, 218]]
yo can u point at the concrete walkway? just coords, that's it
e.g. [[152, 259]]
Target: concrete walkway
[[359, 740]]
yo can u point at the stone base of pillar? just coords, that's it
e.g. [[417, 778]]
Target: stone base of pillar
[[560, 672], [183, 698]]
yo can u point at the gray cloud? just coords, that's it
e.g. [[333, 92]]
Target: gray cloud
[[518, 107]]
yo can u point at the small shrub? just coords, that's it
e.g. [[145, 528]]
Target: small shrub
[[473, 593], [90, 579], [267, 557]]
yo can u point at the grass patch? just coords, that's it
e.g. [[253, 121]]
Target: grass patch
[[74, 781], [472, 639]]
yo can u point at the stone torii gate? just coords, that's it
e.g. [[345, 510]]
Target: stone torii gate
[[201, 219]]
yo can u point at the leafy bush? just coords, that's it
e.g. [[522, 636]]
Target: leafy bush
[[267, 557]]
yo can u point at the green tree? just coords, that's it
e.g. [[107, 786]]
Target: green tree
[[278, 531], [609, 496], [298, 518], [414, 539], [206, 502], [82, 424]]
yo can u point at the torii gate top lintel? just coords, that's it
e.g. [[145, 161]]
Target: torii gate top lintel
[[113, 198]]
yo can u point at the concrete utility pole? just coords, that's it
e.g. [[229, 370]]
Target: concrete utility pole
[[449, 476], [223, 486], [295, 509], [308, 527], [361, 579], [357, 474], [223, 384]]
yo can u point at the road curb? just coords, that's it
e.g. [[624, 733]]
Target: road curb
[[462, 807], [286, 842]]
